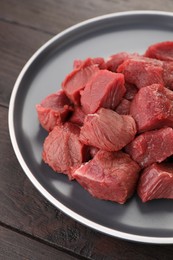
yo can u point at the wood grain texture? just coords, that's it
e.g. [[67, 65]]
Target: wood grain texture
[[17, 44], [54, 16], [16, 246], [24, 27], [23, 208]]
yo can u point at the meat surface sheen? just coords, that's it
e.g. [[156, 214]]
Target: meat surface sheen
[[62, 150], [152, 108], [156, 182], [77, 79], [53, 110], [161, 51], [168, 74], [105, 89], [142, 71], [116, 59], [107, 130], [109, 176], [152, 146], [99, 61]]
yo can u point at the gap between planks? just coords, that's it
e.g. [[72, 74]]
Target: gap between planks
[[43, 241], [4, 105]]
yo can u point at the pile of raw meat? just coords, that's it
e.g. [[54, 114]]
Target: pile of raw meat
[[111, 125]]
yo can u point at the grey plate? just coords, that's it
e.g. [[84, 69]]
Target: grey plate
[[42, 75]]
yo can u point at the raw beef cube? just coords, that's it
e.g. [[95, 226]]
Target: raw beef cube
[[156, 182], [168, 74], [142, 71], [109, 176], [77, 79], [105, 89], [53, 110], [124, 107], [131, 91], [108, 130], [90, 61], [62, 150], [152, 108], [161, 51], [150, 147], [115, 60], [77, 116]]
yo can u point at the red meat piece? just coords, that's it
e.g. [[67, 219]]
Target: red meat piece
[[53, 110], [62, 150], [77, 79], [161, 51], [168, 74], [115, 60], [109, 176], [108, 130], [152, 108], [124, 107], [150, 147], [77, 116], [156, 182], [131, 91], [90, 61], [105, 89], [142, 71]]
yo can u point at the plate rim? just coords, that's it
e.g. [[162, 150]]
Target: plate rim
[[89, 223]]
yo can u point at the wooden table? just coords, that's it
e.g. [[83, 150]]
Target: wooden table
[[30, 227]]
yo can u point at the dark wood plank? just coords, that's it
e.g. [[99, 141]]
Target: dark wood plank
[[54, 16], [24, 27], [24, 208], [17, 44], [16, 246]]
